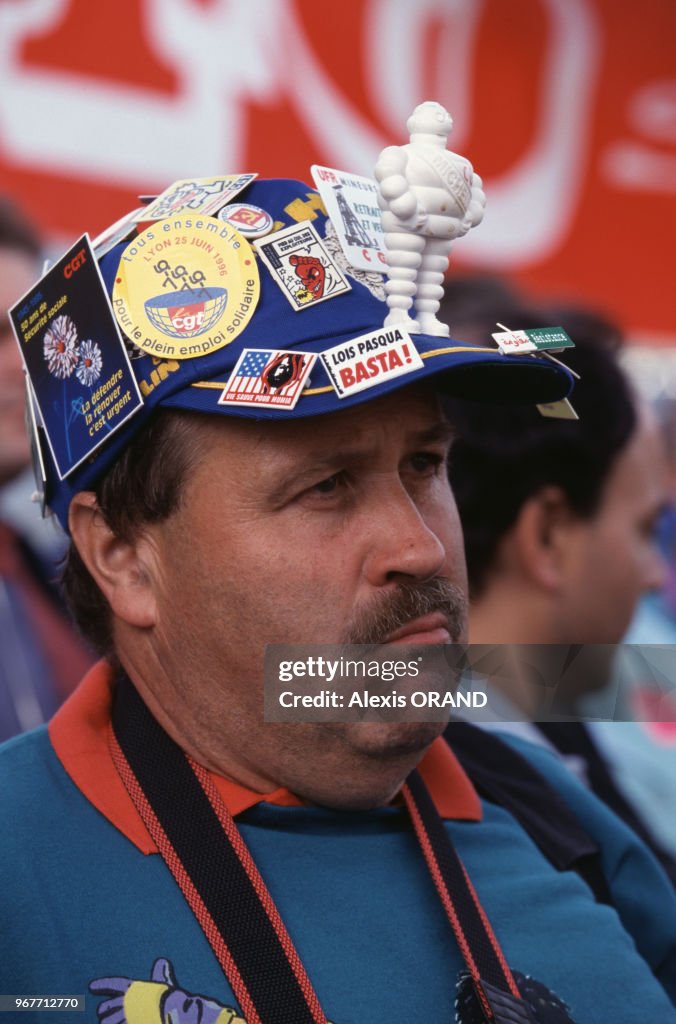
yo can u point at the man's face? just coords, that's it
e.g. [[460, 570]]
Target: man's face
[[17, 274], [305, 532], [614, 558]]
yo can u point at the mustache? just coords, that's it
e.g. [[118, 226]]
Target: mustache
[[410, 601]]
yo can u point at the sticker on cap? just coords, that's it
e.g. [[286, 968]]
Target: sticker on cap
[[351, 202], [250, 221], [186, 287], [370, 360], [75, 357], [543, 339], [371, 279], [301, 266], [562, 410], [198, 195], [268, 377]]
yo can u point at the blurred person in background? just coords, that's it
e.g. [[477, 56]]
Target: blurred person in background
[[642, 752], [559, 519], [41, 659], [655, 618]]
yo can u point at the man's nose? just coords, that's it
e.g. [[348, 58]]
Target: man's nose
[[403, 545]]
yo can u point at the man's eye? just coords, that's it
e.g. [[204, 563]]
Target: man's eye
[[427, 462], [327, 491], [327, 486]]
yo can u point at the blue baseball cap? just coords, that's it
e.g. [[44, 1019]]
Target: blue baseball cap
[[274, 324]]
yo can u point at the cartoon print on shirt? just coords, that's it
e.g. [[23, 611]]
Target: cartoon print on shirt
[[161, 1001], [157, 1001]]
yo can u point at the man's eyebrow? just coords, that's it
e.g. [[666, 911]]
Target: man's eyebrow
[[440, 433], [321, 460]]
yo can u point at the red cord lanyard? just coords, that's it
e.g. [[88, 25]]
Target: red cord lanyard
[[217, 875]]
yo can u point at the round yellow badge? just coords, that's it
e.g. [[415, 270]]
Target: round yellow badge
[[186, 287]]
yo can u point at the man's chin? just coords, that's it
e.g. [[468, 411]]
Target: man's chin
[[383, 755], [392, 740]]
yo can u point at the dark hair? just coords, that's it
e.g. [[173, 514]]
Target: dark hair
[[505, 454], [16, 232], [144, 486], [474, 303]]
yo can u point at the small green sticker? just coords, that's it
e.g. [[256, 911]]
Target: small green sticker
[[551, 339]]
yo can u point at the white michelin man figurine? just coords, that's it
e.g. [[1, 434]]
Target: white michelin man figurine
[[428, 197]]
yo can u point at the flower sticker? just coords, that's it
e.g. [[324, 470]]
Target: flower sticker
[[88, 370], [60, 347]]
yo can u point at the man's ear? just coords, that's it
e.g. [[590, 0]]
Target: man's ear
[[118, 567], [542, 537]]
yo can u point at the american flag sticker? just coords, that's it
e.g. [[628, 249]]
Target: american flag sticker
[[268, 377]]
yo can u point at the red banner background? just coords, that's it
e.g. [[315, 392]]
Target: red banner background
[[567, 108]]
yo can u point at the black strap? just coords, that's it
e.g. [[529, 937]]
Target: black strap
[[504, 777], [185, 814], [493, 981], [453, 874]]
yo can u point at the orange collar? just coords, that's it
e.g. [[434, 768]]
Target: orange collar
[[79, 734]]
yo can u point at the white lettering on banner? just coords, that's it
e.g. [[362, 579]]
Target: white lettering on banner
[[532, 203], [645, 165], [158, 137]]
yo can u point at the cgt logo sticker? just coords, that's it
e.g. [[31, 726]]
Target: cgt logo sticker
[[371, 359], [170, 295], [179, 316], [75, 263]]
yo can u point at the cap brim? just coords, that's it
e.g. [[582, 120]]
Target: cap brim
[[457, 370]]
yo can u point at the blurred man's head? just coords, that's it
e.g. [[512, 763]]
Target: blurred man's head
[[559, 515], [19, 252]]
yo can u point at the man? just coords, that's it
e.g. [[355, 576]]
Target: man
[[41, 659], [226, 514], [559, 518]]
